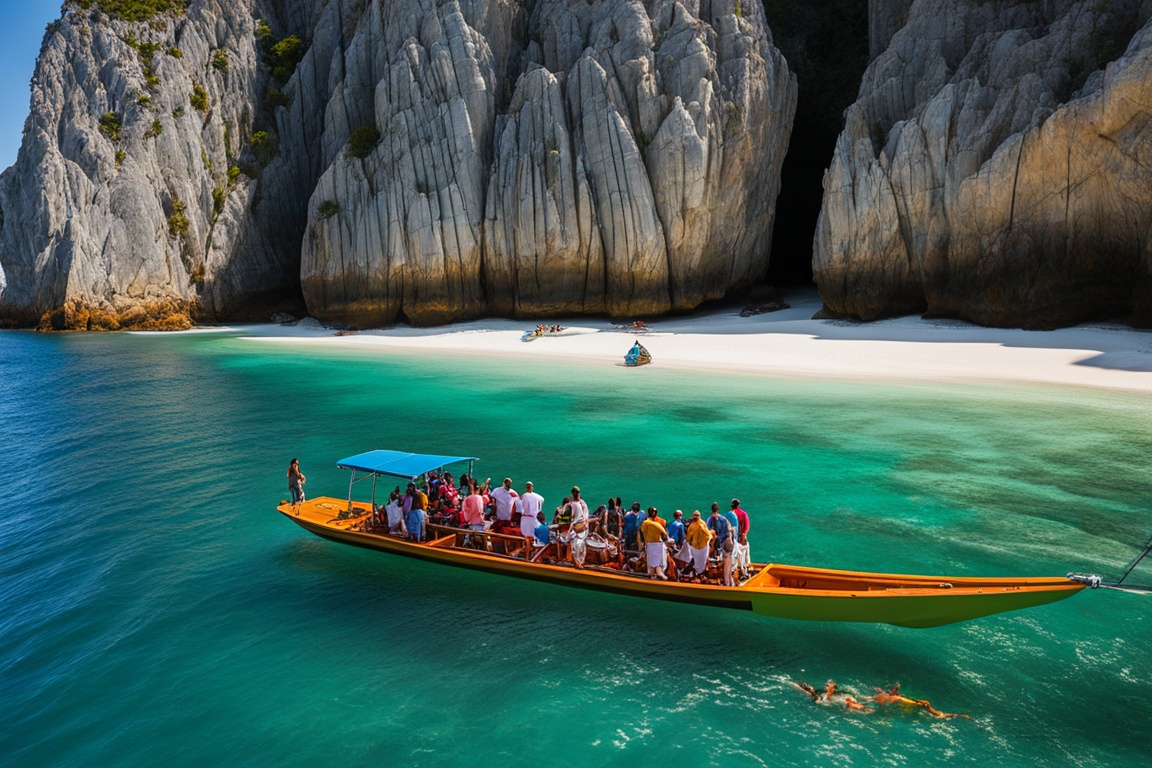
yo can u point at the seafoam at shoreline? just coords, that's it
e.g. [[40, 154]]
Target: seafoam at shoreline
[[787, 343]]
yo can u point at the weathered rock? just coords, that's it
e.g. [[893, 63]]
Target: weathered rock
[[634, 167], [610, 156], [137, 212], [994, 168]]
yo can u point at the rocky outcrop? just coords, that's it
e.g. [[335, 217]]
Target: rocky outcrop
[[419, 160], [119, 206], [994, 168], [611, 156]]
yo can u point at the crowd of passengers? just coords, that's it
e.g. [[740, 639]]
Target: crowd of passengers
[[703, 550]]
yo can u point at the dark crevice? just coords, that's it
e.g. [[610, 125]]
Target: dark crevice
[[826, 45]]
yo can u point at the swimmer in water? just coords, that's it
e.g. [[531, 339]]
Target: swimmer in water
[[894, 696], [831, 695]]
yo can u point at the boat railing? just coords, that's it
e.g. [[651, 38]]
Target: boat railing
[[506, 544]]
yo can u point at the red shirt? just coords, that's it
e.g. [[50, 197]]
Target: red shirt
[[742, 517]]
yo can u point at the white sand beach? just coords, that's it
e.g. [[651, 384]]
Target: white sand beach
[[789, 343]]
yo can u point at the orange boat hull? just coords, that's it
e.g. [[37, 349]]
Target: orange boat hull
[[776, 590]]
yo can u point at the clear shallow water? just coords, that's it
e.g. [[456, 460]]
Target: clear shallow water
[[154, 608]]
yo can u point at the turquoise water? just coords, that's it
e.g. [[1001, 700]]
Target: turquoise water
[[155, 609]]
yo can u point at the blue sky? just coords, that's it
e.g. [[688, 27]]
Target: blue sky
[[21, 30]]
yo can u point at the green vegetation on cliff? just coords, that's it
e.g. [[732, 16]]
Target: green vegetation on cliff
[[178, 223], [362, 140], [110, 125], [199, 98], [134, 10]]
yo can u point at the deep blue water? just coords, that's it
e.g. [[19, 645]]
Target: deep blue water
[[154, 609]]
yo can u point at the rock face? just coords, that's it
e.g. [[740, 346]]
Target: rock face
[[426, 160], [582, 157], [119, 207], [995, 168]]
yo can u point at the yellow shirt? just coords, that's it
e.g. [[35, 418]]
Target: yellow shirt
[[698, 534], [652, 531]]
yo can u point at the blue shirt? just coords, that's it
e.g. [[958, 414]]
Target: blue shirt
[[721, 526], [631, 523], [734, 521], [543, 533], [676, 531]]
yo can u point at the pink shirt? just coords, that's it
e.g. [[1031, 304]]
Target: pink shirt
[[473, 509]]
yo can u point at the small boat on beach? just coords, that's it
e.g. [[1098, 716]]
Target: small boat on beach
[[771, 589], [638, 355]]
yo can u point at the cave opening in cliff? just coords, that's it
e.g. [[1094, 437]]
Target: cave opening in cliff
[[826, 45]]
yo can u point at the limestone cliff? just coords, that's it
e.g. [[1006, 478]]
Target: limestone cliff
[[427, 160], [995, 167]]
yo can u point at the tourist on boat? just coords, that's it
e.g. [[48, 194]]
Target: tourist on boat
[[631, 527], [532, 504], [503, 496], [415, 521], [742, 521], [697, 538], [724, 541], [394, 512], [613, 520], [742, 557], [654, 535], [578, 527], [597, 519], [415, 512], [296, 482], [472, 511], [448, 490], [676, 528], [563, 514], [733, 520], [542, 532]]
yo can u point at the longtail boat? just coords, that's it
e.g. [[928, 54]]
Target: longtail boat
[[772, 589]]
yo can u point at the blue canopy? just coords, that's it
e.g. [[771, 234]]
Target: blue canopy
[[398, 463]]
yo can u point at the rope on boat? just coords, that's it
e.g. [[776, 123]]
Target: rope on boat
[[1095, 582]]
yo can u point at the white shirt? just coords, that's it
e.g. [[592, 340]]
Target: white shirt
[[579, 510], [533, 503], [395, 513], [503, 498]]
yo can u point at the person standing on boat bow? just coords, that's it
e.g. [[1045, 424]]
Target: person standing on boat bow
[[532, 504], [296, 482]]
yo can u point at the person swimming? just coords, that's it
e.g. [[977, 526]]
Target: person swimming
[[894, 696], [831, 694]]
